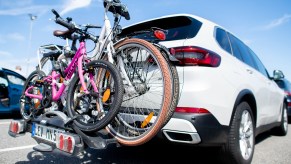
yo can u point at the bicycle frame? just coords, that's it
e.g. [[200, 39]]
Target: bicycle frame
[[105, 40], [77, 61]]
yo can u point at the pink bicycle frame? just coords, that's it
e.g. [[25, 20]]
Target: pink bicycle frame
[[77, 61]]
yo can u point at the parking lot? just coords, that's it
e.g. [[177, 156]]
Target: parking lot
[[269, 149]]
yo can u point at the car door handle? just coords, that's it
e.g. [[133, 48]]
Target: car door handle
[[249, 71]]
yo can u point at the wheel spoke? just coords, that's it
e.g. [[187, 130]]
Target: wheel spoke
[[246, 137]]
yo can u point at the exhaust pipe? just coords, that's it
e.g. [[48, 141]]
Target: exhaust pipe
[[182, 137]]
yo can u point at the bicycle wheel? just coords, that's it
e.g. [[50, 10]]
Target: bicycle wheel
[[46, 65], [94, 111], [175, 87], [31, 107], [147, 103]]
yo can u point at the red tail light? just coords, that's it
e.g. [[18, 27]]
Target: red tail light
[[61, 142], [288, 93], [191, 110], [191, 56], [69, 144], [160, 35], [16, 127], [65, 143], [289, 104]]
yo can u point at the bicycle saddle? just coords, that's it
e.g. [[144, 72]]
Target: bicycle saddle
[[63, 34]]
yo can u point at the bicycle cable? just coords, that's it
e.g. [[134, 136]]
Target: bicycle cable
[[106, 38]]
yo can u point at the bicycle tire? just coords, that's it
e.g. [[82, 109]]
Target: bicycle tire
[[140, 135], [75, 107], [35, 75], [176, 87], [46, 65]]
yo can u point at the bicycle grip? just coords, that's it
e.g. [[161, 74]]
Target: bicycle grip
[[56, 13], [64, 23], [126, 15]]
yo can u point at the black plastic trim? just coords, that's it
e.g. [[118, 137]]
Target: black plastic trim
[[211, 132], [239, 100]]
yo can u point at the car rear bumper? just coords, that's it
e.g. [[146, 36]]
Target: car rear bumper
[[200, 129]]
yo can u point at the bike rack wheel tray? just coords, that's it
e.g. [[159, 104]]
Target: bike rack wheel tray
[[55, 132]]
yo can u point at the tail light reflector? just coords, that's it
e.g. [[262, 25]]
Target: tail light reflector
[[16, 127], [191, 56], [288, 93], [191, 110], [65, 143], [159, 34]]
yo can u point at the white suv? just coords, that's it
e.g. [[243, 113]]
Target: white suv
[[226, 96]]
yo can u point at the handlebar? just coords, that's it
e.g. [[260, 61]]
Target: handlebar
[[116, 7], [61, 21], [64, 23], [72, 27], [56, 13]]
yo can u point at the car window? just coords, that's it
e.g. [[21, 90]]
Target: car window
[[244, 51], [15, 79], [3, 79], [222, 39], [235, 48], [260, 66], [179, 27]]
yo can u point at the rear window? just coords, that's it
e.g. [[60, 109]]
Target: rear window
[[180, 27]]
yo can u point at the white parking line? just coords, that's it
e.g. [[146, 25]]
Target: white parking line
[[17, 148], [4, 123]]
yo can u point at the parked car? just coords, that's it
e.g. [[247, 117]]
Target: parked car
[[227, 97], [286, 86], [11, 85]]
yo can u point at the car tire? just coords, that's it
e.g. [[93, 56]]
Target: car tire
[[241, 139], [282, 129]]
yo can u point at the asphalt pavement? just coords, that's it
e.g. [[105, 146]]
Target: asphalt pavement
[[269, 149]]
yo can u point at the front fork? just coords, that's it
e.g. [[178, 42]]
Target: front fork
[[82, 79], [120, 64]]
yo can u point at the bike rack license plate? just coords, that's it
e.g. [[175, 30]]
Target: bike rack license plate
[[45, 132]]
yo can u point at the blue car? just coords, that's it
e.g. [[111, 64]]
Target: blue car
[[11, 85]]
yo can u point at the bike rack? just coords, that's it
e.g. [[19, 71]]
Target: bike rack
[[57, 119]]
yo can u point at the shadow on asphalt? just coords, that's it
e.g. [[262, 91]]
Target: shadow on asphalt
[[263, 136], [152, 152], [155, 151], [10, 116]]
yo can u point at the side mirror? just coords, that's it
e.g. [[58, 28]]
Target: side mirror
[[278, 74]]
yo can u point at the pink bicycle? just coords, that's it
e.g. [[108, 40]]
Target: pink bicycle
[[95, 87]]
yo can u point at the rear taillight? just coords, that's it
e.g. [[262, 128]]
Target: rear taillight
[[191, 110], [289, 104], [16, 127], [159, 34], [288, 93], [65, 143], [191, 56]]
